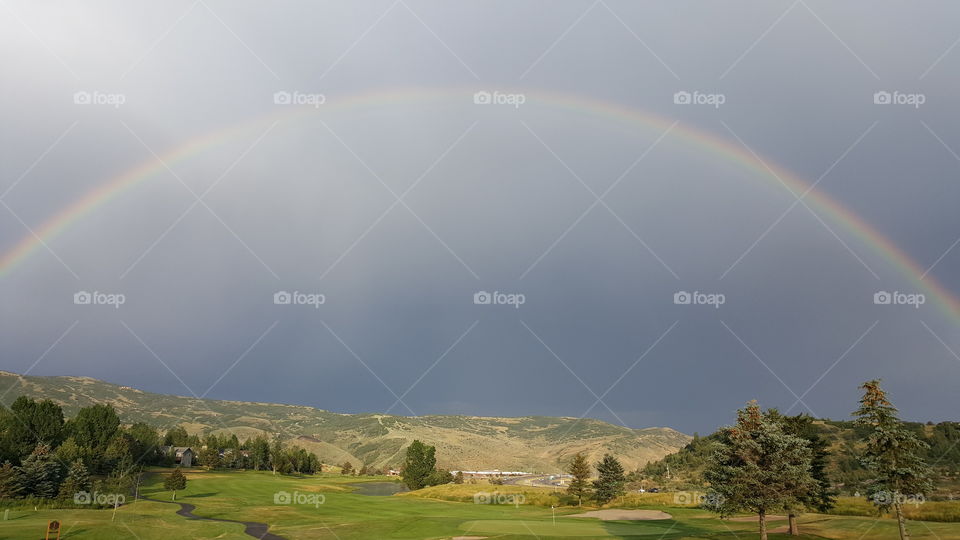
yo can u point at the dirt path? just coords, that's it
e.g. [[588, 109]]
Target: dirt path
[[252, 528]]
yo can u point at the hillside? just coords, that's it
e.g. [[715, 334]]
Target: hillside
[[532, 443]]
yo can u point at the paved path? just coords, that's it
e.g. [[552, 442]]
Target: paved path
[[252, 528]]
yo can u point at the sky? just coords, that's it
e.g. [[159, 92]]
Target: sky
[[647, 213]]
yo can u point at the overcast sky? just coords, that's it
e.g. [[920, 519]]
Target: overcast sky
[[344, 152]]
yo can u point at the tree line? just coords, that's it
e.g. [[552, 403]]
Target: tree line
[[48, 458]]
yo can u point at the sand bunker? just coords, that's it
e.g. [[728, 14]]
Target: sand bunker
[[616, 515]]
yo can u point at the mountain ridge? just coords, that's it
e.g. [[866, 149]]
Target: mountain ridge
[[533, 443]]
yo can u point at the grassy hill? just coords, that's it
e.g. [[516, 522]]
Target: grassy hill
[[532, 443]]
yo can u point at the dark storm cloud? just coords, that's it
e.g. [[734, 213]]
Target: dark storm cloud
[[493, 198]]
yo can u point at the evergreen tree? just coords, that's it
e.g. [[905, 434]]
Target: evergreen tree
[[175, 482], [893, 454], [579, 485], [822, 496], [8, 482], [346, 468], [40, 474], [610, 482], [458, 478], [758, 467], [420, 463], [78, 479]]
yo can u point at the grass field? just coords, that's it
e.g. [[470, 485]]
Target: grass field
[[249, 496]]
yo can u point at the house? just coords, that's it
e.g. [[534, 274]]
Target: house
[[393, 472], [182, 455]]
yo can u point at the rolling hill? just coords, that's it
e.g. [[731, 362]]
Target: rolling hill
[[531, 443]]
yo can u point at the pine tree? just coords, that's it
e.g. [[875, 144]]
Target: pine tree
[[8, 481], [346, 468], [609, 484], [579, 486], [822, 496], [40, 474], [78, 479], [458, 478], [175, 482], [892, 453], [758, 467]]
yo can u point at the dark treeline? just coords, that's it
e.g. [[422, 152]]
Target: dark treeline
[[683, 469], [47, 457]]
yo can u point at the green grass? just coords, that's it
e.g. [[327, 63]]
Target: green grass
[[248, 496]]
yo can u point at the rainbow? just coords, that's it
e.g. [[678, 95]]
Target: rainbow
[[703, 140]]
